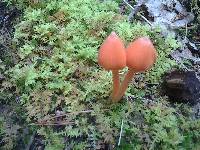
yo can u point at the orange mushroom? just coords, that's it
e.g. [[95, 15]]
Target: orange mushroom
[[140, 56], [112, 56]]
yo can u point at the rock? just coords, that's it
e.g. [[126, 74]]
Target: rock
[[182, 87]]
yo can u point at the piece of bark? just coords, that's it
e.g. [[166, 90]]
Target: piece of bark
[[182, 87]]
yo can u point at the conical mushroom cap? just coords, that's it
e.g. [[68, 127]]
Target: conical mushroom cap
[[140, 54], [112, 55]]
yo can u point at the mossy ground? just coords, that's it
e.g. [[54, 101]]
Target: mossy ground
[[57, 74]]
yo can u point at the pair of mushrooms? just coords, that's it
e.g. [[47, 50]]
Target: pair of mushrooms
[[139, 56]]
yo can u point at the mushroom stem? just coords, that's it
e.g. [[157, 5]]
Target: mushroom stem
[[116, 84], [124, 84]]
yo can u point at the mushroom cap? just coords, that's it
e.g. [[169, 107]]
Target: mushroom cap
[[112, 55], [141, 54]]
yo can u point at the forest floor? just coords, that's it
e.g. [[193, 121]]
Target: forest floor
[[37, 112]]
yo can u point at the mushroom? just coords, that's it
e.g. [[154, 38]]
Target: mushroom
[[112, 56], [140, 56]]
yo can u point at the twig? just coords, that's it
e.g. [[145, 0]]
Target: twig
[[52, 124], [120, 136], [143, 17], [47, 120], [128, 4], [186, 31], [71, 113]]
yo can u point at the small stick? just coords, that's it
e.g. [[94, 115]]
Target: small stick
[[186, 32], [52, 124], [143, 17], [120, 136], [63, 115], [71, 113]]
